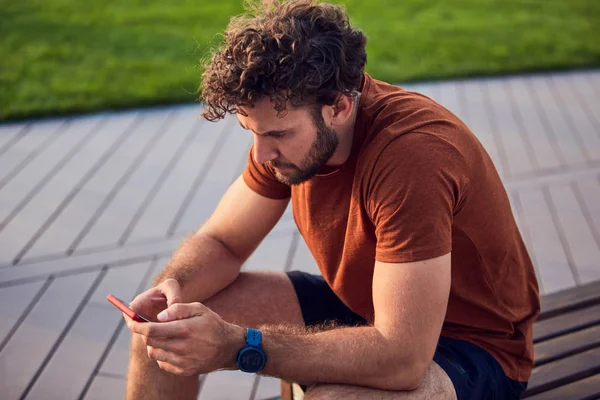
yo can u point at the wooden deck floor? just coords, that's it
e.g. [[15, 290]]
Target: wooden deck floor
[[96, 204]]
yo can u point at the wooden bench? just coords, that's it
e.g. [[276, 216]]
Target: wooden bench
[[567, 348]]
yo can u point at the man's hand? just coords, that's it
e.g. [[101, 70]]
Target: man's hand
[[156, 299], [191, 339]]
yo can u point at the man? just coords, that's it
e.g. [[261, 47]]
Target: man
[[427, 290]]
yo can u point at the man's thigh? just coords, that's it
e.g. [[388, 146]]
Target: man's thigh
[[467, 369], [257, 298], [436, 385]]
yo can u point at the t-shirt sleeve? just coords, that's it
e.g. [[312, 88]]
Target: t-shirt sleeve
[[262, 180], [417, 184]]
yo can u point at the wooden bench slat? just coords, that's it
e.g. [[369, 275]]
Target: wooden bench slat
[[565, 371], [569, 300], [567, 345], [566, 323], [585, 389]]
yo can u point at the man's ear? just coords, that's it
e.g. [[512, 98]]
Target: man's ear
[[341, 110]]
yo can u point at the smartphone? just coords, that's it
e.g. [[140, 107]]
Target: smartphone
[[126, 310]]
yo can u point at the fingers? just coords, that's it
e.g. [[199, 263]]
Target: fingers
[[149, 302], [169, 362], [176, 346], [173, 369], [171, 289], [182, 311], [165, 356], [168, 290], [173, 329]]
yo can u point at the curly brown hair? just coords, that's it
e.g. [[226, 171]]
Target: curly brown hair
[[299, 52]]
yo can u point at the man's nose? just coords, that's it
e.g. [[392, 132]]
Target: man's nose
[[263, 152]]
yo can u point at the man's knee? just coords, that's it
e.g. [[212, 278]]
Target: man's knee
[[323, 392], [436, 385], [138, 349]]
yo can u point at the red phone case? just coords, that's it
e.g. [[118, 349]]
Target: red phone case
[[126, 310]]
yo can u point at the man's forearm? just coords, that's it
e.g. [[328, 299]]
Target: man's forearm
[[355, 356], [203, 265]]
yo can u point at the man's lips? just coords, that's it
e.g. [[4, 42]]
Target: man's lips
[[281, 167]]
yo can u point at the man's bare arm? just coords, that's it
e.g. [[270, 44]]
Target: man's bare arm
[[410, 302], [210, 259]]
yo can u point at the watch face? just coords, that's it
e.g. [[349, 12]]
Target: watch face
[[251, 360]]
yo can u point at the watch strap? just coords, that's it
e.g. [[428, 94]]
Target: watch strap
[[253, 337]]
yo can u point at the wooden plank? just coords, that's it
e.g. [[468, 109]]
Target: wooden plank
[[37, 173], [25, 177], [410, 86], [479, 123], [571, 299], [303, 259], [41, 331], [571, 321], [519, 216], [106, 387], [122, 282], [10, 276], [217, 181], [22, 193], [553, 266], [547, 152], [567, 140], [224, 385], [165, 206], [516, 144], [57, 210], [93, 191], [110, 226], [285, 227], [592, 77], [576, 115], [448, 97], [588, 96], [539, 182], [158, 129], [186, 122], [587, 192], [15, 303], [25, 150], [154, 268], [584, 389], [10, 133], [562, 372], [567, 345], [425, 88], [267, 388], [74, 361], [271, 255], [577, 236], [116, 356]]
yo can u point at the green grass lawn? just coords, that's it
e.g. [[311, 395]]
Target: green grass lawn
[[65, 56]]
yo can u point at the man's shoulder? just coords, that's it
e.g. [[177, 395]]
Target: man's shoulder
[[391, 114], [410, 154]]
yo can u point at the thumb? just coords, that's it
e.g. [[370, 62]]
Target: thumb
[[181, 311], [171, 289]]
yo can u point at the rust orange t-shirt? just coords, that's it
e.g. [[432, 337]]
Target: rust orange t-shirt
[[417, 185]]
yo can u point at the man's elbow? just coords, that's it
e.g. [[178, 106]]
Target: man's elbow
[[408, 378], [406, 375]]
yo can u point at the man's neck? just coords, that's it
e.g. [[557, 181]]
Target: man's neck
[[346, 138]]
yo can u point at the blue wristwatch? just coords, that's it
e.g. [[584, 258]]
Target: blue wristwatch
[[252, 358]]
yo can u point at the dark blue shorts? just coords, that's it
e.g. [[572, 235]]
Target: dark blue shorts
[[473, 371]]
